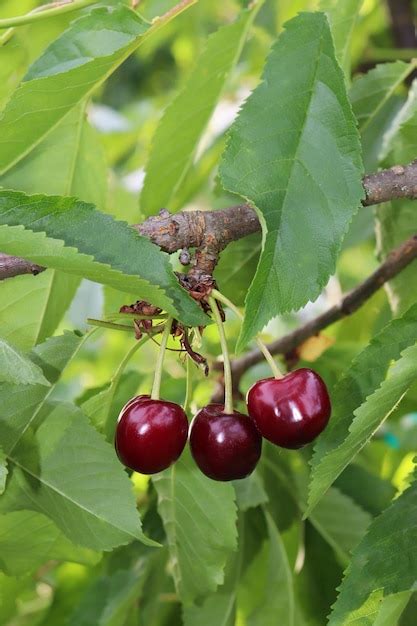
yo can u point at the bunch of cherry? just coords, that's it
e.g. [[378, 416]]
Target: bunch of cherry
[[290, 411]]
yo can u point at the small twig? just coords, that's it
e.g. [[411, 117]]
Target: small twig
[[14, 266], [44, 12], [399, 181], [174, 11], [105, 324], [396, 261], [49, 9]]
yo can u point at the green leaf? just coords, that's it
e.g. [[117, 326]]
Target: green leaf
[[104, 407], [78, 169], [20, 404], [278, 577], [108, 601], [341, 522], [372, 96], [391, 608], [199, 517], [367, 419], [67, 234], [17, 368], [388, 547], [338, 519], [20, 294], [343, 17], [28, 539], [237, 267], [67, 72], [267, 590], [3, 471], [367, 489], [250, 492], [396, 220], [315, 586], [67, 471], [184, 121], [304, 211], [220, 608], [408, 616], [217, 609], [366, 373], [10, 589]]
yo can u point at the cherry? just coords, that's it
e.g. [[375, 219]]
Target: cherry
[[290, 411], [150, 434], [140, 398], [225, 446]]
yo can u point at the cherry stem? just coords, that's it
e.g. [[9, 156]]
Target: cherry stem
[[118, 373], [262, 347], [114, 316], [228, 386], [156, 387], [103, 324], [188, 385]]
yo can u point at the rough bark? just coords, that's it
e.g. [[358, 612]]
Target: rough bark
[[209, 232]]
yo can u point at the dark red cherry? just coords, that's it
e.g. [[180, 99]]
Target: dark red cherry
[[150, 434], [140, 398], [224, 446], [290, 411]]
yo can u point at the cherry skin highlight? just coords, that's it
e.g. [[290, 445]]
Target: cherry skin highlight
[[150, 434], [290, 411], [224, 446], [133, 401]]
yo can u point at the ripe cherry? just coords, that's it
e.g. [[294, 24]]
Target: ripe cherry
[[224, 446], [290, 411], [133, 401], [150, 434]]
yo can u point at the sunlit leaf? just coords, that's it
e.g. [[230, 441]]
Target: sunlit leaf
[[267, 590], [67, 72], [17, 368], [21, 404], [334, 449], [367, 418], [184, 121], [388, 547], [342, 17], [28, 539], [50, 477], [373, 98], [67, 234], [282, 164], [69, 161], [199, 516]]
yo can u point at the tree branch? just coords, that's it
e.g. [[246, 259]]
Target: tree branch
[[399, 181], [209, 232], [403, 23], [14, 266], [396, 261]]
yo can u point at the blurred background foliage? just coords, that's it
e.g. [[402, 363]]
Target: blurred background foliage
[[122, 118]]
